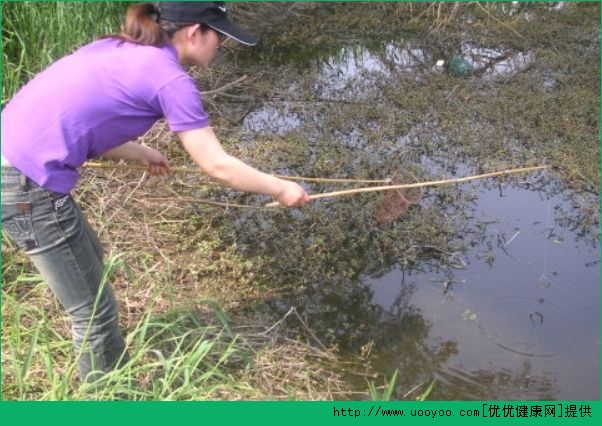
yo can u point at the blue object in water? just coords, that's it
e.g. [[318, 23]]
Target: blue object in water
[[460, 67]]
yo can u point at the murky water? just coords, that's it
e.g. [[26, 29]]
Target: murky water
[[517, 317], [513, 312]]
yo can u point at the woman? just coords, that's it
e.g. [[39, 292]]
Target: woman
[[93, 103]]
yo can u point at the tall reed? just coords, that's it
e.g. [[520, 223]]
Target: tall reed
[[35, 34]]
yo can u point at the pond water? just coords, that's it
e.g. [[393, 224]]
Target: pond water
[[516, 317], [512, 312]]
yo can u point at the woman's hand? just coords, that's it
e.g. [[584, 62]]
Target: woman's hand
[[292, 195], [157, 163]]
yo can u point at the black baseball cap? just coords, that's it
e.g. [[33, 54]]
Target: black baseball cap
[[214, 14]]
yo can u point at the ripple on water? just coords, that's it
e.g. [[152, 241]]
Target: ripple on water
[[529, 327]]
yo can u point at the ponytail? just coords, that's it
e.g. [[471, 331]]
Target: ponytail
[[141, 25]]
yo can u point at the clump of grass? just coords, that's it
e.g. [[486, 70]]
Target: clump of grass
[[170, 361], [427, 392], [173, 358], [180, 354]]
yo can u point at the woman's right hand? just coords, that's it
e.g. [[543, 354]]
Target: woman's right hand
[[292, 194], [157, 163]]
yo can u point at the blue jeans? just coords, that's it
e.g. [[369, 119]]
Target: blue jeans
[[53, 232]]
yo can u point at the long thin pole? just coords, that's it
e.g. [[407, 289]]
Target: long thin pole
[[113, 166], [337, 193], [93, 165], [419, 184]]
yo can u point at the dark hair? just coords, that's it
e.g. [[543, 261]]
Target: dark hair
[[143, 25]]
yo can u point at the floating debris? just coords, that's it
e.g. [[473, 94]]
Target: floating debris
[[468, 315], [491, 62], [544, 282], [460, 67], [512, 238], [536, 318]]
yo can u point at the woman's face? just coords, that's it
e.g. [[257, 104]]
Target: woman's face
[[204, 46]]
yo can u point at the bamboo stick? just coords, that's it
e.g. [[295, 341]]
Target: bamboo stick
[[329, 180], [94, 165], [417, 185], [114, 166], [335, 193], [202, 201]]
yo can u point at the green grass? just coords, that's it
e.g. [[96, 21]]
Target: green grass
[[174, 356], [183, 352], [387, 390], [36, 34]]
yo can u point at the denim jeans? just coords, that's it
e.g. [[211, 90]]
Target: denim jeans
[[56, 236]]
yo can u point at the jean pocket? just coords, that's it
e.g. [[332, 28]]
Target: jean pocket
[[58, 200], [18, 224], [66, 214]]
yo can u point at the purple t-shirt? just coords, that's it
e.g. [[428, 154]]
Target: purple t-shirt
[[101, 96]]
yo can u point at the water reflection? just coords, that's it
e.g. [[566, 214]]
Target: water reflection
[[493, 63], [355, 70]]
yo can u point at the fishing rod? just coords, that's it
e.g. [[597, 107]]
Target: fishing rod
[[184, 170], [333, 194], [419, 184]]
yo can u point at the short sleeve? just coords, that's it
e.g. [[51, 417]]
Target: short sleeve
[[182, 106]]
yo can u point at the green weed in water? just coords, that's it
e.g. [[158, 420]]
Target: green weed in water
[[425, 395], [387, 390]]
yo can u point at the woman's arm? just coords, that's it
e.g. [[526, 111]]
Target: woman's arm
[[208, 154], [155, 161]]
